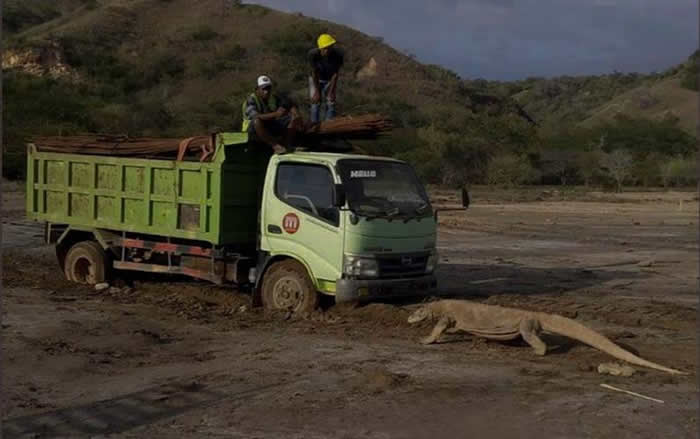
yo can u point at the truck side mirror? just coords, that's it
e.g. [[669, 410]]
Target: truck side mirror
[[465, 198], [339, 196]]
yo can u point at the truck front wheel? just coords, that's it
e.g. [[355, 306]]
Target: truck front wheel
[[86, 263], [287, 286]]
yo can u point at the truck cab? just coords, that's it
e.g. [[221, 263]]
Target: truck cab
[[354, 227]]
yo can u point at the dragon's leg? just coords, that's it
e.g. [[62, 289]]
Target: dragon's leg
[[439, 328], [529, 330]]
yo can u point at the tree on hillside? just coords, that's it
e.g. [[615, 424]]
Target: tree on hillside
[[588, 164], [690, 72], [618, 165], [508, 170], [465, 161], [560, 163], [679, 171], [646, 169], [642, 136]]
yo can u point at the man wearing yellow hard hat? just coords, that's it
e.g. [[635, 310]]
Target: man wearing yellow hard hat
[[326, 61]]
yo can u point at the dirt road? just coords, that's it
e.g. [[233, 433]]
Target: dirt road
[[185, 359]]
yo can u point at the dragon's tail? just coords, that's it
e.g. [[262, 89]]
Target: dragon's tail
[[572, 329]]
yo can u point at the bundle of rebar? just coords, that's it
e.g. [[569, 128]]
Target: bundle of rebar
[[122, 146], [324, 136], [366, 126]]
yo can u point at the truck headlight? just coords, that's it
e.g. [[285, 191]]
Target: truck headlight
[[360, 266], [432, 262]]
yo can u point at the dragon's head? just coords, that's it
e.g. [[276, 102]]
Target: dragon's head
[[422, 313]]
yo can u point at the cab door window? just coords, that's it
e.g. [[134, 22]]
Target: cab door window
[[308, 188]]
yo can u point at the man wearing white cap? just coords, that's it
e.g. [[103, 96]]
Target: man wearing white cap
[[267, 116]]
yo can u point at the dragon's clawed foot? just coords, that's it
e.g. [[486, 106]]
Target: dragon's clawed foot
[[541, 351]]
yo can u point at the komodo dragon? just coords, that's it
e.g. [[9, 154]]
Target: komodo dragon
[[501, 323]]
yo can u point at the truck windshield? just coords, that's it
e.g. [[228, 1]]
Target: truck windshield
[[383, 189]]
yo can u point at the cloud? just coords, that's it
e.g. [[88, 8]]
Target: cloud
[[508, 39]]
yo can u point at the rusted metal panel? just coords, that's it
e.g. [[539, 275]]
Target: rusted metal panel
[[155, 268], [164, 247]]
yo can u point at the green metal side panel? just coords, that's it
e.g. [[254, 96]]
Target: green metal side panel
[[243, 178], [210, 201]]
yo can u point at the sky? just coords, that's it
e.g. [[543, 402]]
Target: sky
[[515, 39]]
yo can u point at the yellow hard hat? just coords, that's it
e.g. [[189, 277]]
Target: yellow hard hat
[[325, 40]]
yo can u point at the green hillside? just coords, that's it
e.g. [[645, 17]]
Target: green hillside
[[663, 99], [181, 68], [20, 15], [672, 96]]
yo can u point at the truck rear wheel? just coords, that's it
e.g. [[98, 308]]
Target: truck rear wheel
[[287, 286], [86, 263]]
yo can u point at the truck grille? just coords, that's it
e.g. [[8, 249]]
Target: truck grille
[[402, 265]]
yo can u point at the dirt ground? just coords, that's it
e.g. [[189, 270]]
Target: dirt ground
[[164, 358]]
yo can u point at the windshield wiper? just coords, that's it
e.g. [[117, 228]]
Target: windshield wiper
[[387, 214], [392, 212], [420, 210]]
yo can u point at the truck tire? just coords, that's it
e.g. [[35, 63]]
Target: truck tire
[[86, 263], [287, 286]]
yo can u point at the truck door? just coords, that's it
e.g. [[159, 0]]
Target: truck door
[[300, 218]]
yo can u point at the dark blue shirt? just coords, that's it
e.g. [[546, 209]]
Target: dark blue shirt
[[326, 66]]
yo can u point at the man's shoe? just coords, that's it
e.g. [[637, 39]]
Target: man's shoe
[[279, 149]]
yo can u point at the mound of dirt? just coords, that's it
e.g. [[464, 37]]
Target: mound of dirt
[[379, 380], [378, 313], [20, 269]]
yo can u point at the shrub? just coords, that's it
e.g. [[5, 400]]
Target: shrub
[[588, 165], [689, 79], [41, 106], [19, 15], [559, 164], [618, 165], [679, 171], [91, 4], [204, 33], [508, 170], [235, 52], [646, 170], [254, 10], [144, 76], [293, 42], [85, 54]]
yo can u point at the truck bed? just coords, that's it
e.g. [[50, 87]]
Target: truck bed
[[214, 201]]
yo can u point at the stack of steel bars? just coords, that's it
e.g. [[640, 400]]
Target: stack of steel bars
[[121, 146], [367, 126], [321, 135]]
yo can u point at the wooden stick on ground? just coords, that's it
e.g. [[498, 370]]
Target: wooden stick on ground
[[608, 386]]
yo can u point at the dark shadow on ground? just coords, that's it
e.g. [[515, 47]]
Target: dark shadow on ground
[[125, 412], [472, 281], [469, 280]]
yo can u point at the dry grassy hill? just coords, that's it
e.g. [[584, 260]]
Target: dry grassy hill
[[183, 67], [198, 54], [662, 99]]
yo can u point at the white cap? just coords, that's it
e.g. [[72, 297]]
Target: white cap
[[263, 81]]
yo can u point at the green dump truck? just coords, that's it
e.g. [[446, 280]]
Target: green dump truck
[[290, 226]]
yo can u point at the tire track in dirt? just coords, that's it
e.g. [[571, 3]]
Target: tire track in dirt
[[132, 410]]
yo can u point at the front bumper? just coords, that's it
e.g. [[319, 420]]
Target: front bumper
[[352, 290]]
